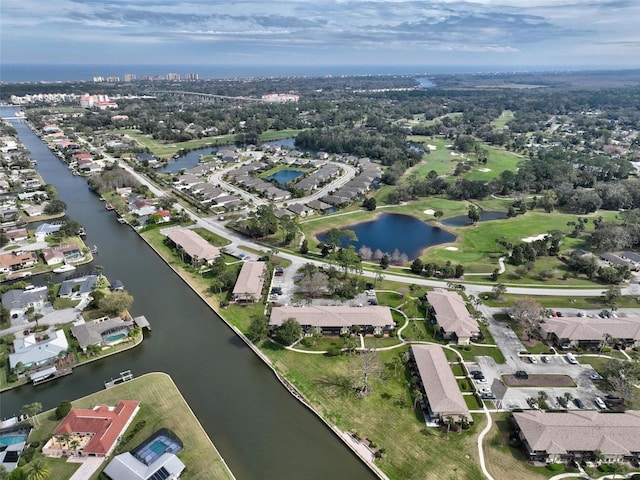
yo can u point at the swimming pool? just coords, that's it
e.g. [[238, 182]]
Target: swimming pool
[[153, 448], [158, 447], [114, 337], [12, 439]]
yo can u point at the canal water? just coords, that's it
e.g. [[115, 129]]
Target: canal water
[[258, 427]]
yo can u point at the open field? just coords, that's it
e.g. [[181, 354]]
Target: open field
[[505, 117], [161, 405], [385, 416]]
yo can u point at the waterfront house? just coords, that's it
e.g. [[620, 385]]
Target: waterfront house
[[16, 235], [97, 430], [10, 262], [449, 311], [46, 229], [576, 436], [18, 301], [34, 350], [438, 384], [69, 252], [78, 288], [248, 287], [335, 320], [147, 462], [196, 248], [103, 332]]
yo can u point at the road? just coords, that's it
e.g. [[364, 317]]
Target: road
[[238, 240]]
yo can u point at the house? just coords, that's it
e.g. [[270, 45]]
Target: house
[[300, 209], [197, 249], [320, 206], [104, 332], [142, 206], [18, 301], [10, 262], [335, 320], [34, 210], [69, 252], [555, 437], [30, 352], [17, 235], [80, 287], [148, 463], [46, 229], [10, 454], [614, 260], [248, 287], [450, 312], [590, 333], [97, 429], [438, 384], [633, 258]]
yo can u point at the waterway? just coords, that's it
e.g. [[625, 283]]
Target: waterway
[[258, 427], [410, 235]]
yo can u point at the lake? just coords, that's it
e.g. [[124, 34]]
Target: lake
[[462, 220], [284, 176], [391, 231]]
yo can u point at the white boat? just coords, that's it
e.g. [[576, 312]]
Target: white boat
[[64, 268]]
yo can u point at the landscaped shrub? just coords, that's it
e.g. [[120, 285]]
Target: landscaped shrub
[[334, 351], [606, 468], [556, 467], [63, 409]]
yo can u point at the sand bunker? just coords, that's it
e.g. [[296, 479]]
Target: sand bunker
[[429, 212], [431, 147], [484, 170], [451, 249], [542, 236], [454, 154]]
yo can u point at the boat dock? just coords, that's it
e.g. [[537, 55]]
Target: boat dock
[[49, 374], [124, 377]]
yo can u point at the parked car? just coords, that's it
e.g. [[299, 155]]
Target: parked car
[[487, 396], [595, 376], [522, 374], [571, 358], [476, 374], [545, 359], [484, 390], [533, 359], [579, 403], [599, 403], [481, 380]]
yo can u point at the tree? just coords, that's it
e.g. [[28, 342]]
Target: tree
[[314, 284], [32, 409], [37, 471], [611, 296], [115, 303], [304, 247], [438, 214], [384, 261], [63, 409], [498, 290], [289, 332], [367, 367], [54, 207], [258, 328], [417, 397], [417, 266], [528, 313], [473, 214]]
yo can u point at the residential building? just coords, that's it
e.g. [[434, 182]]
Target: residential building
[[145, 463], [554, 437], [97, 429], [46, 229], [18, 301], [196, 248], [10, 262], [336, 320], [78, 288], [104, 331], [590, 333], [438, 384], [248, 287], [449, 311], [69, 252], [29, 352]]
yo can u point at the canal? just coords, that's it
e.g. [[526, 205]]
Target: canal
[[258, 427]]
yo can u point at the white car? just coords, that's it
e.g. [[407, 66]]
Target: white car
[[600, 404], [533, 359], [571, 359], [481, 380]]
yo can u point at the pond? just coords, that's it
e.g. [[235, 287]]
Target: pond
[[462, 220], [391, 231], [189, 160], [425, 82], [284, 176]]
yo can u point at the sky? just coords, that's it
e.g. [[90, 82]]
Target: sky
[[550, 33]]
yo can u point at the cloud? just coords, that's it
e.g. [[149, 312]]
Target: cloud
[[508, 27]]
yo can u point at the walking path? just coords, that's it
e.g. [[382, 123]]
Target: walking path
[[89, 466]]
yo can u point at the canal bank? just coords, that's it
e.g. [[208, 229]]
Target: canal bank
[[259, 428]]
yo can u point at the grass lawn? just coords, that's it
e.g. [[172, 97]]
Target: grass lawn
[[503, 461], [211, 237], [439, 160], [474, 351], [505, 117], [162, 405], [564, 302], [499, 161], [163, 150], [413, 451], [472, 402]]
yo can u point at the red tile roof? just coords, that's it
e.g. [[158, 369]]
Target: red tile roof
[[106, 424]]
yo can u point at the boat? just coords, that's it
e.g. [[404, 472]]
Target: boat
[[109, 207], [124, 377], [93, 249], [64, 268], [81, 232]]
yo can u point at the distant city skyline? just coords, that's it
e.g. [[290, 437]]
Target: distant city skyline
[[546, 33]]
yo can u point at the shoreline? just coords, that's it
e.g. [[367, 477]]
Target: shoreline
[[342, 436]]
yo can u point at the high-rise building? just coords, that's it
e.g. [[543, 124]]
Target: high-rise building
[[129, 77], [173, 76], [113, 79], [191, 76], [98, 79]]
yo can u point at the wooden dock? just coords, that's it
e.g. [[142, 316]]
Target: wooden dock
[[50, 374]]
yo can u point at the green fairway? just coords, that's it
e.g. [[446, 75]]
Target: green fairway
[[439, 159], [505, 117], [499, 161]]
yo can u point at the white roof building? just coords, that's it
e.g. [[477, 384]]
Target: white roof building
[[30, 352]]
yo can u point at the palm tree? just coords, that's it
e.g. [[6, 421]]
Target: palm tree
[[75, 443], [38, 471], [417, 397], [66, 438]]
